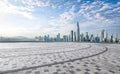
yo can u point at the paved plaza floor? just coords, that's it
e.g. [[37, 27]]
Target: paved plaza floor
[[59, 58]]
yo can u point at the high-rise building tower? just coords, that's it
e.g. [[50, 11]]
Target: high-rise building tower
[[111, 39], [69, 38], [97, 39], [102, 35], [106, 39], [58, 37], [116, 39], [91, 38], [71, 35], [82, 37], [87, 37], [65, 38], [78, 32], [74, 36]]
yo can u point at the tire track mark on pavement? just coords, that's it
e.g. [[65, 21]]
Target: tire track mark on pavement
[[70, 60], [46, 53]]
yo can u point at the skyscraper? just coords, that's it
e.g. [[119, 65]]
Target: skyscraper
[[87, 37], [69, 38], [65, 38], [97, 39], [91, 38], [102, 35], [71, 35], [78, 32], [74, 36], [111, 39], [106, 39], [82, 37], [58, 37], [116, 39]]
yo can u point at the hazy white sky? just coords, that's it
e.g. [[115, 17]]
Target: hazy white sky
[[38, 17]]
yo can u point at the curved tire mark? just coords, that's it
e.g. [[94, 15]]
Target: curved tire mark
[[71, 60], [47, 53]]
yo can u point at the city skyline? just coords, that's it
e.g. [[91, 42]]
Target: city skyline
[[73, 36], [41, 17], [76, 36]]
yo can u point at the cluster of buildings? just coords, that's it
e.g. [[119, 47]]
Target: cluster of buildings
[[73, 36], [76, 36]]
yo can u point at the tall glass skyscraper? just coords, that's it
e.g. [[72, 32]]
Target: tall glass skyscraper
[[71, 35], [74, 36], [102, 35], [78, 32]]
